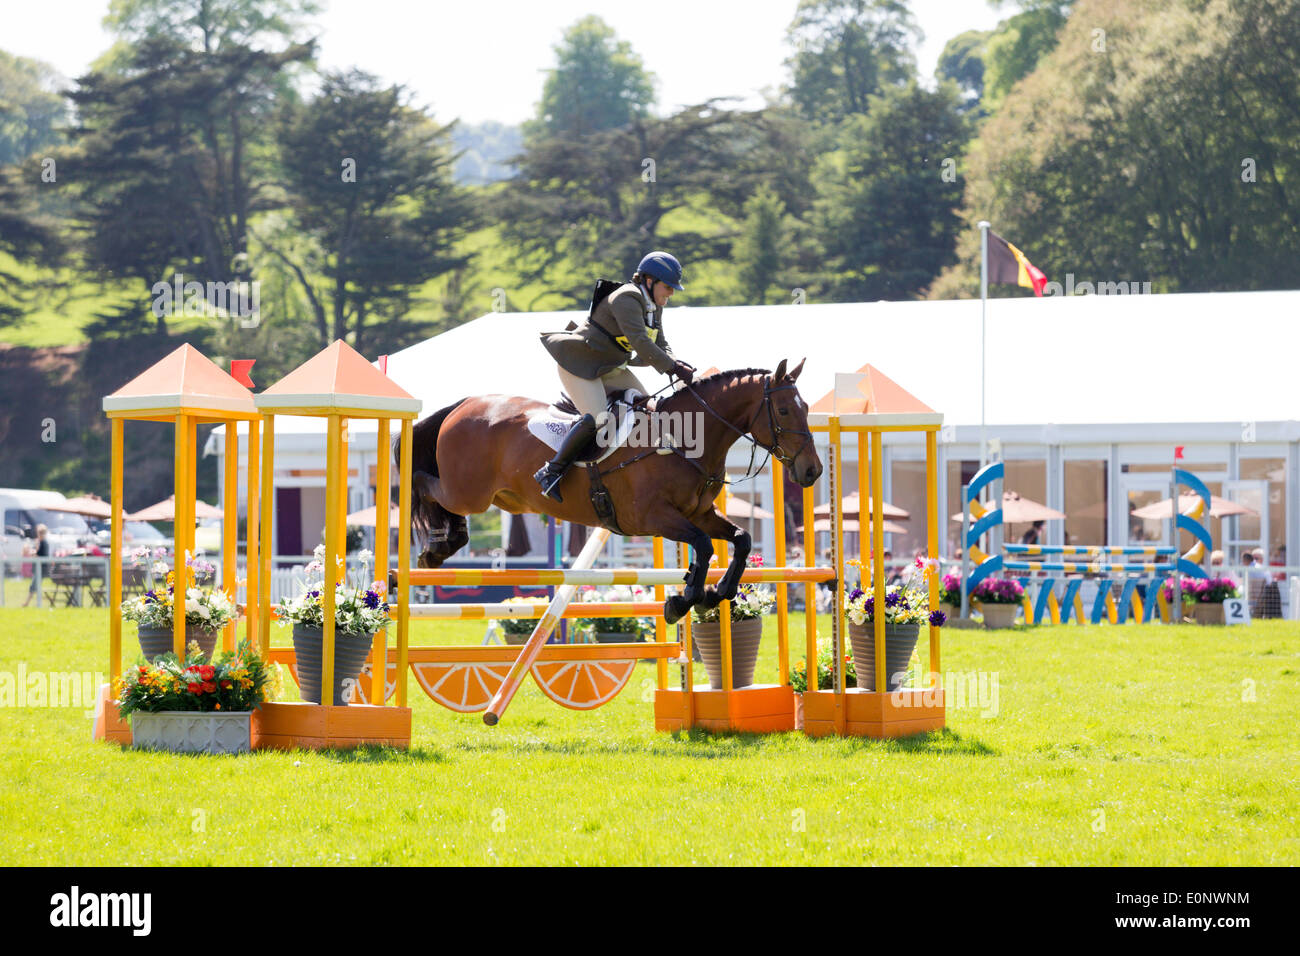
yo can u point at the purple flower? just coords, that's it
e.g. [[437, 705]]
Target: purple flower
[[855, 594], [892, 598], [371, 599], [938, 618]]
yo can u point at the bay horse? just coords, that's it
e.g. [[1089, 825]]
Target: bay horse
[[478, 453]]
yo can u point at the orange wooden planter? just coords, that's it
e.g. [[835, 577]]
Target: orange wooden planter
[[286, 726], [874, 714], [759, 708]]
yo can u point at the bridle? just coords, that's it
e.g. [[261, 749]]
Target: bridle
[[785, 458]]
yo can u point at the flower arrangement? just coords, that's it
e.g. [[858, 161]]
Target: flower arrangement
[[905, 603], [521, 625], [234, 681], [634, 627], [825, 678], [357, 610], [998, 591], [206, 607], [950, 590], [751, 601], [1204, 590]]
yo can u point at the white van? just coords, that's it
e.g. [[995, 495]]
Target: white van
[[24, 509]]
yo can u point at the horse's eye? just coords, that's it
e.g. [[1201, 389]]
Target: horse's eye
[[784, 411]]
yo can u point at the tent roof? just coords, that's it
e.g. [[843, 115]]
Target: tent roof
[[338, 377], [184, 381], [1114, 359]]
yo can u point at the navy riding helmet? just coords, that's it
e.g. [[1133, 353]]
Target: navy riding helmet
[[663, 267]]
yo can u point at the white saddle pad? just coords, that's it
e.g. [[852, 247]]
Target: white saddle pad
[[549, 425]]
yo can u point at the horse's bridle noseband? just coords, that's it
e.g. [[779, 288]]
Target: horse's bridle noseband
[[782, 456]]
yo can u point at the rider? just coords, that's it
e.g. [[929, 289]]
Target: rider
[[623, 329]]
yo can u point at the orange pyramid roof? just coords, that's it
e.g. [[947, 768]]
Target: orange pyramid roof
[[338, 377], [878, 395], [184, 381]]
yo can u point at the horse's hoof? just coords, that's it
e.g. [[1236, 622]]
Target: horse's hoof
[[711, 599], [675, 609]]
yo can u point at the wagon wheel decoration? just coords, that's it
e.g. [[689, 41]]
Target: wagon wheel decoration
[[466, 687], [582, 685], [360, 693]]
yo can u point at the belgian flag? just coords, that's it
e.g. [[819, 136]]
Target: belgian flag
[[1008, 265]]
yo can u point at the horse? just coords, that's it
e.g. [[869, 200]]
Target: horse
[[478, 452]]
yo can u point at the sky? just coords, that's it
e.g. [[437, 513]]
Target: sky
[[484, 59]]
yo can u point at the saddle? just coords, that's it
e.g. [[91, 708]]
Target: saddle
[[551, 424]]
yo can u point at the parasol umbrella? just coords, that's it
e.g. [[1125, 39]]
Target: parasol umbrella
[[740, 508], [166, 511], [851, 525], [850, 505], [1219, 508], [1019, 510], [366, 517], [91, 505]]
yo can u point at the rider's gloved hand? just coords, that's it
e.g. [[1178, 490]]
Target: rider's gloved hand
[[683, 371]]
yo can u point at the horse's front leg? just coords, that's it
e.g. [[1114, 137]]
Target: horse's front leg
[[716, 526], [680, 529]]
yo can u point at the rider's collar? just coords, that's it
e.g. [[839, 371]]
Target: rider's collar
[[649, 302]]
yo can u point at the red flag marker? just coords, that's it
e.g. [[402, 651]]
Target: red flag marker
[[383, 364], [1178, 452], [239, 369]]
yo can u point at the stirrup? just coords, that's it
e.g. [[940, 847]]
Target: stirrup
[[549, 478]]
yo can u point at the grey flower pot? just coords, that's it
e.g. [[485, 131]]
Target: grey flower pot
[[900, 641], [186, 731], [157, 641], [350, 653], [745, 638]]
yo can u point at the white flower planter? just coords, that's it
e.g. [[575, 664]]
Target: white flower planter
[[187, 731]]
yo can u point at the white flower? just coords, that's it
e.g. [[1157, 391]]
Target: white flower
[[366, 557], [315, 568], [159, 568], [319, 552]]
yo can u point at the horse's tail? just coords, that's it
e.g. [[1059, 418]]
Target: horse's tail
[[424, 457]]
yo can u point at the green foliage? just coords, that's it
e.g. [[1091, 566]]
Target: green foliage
[[235, 681], [962, 62], [846, 51], [1013, 50], [762, 250], [373, 211], [885, 214], [1128, 153], [598, 83], [33, 112], [209, 25]]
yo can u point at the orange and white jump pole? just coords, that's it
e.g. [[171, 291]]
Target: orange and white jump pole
[[545, 627]]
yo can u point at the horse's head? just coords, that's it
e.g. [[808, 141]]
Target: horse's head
[[782, 426]]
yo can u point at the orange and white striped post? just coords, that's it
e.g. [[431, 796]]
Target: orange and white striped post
[[545, 627]]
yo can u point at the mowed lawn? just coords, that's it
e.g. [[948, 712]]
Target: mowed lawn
[[1103, 746]]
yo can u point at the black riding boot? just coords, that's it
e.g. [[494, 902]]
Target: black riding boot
[[549, 475]]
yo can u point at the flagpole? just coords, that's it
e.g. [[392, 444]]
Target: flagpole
[[984, 298]]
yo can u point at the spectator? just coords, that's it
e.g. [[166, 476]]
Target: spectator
[[1034, 535], [42, 551], [1216, 559], [1270, 598]]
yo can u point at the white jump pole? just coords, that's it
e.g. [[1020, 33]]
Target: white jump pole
[[532, 650]]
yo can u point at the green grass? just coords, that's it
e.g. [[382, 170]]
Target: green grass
[[1150, 725]]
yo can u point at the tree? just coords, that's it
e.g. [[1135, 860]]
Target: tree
[[962, 62], [374, 212], [598, 83], [886, 209], [208, 26], [762, 251], [33, 112], [1174, 162], [1018, 43], [846, 51], [26, 234], [170, 160], [579, 210]]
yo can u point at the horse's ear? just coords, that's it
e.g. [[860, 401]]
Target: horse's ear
[[794, 372], [779, 374]]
